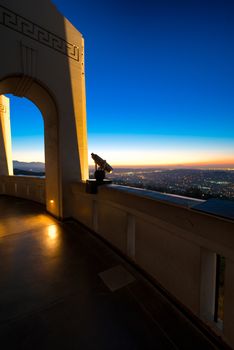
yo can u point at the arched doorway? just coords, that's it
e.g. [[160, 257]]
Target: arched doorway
[[42, 59], [42, 99]]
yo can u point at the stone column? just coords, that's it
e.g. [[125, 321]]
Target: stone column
[[6, 166]]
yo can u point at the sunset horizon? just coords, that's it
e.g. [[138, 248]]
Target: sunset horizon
[[174, 114], [217, 164]]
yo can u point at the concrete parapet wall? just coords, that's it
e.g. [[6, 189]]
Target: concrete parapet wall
[[171, 241], [31, 188]]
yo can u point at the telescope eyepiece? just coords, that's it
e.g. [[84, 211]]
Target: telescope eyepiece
[[103, 165]]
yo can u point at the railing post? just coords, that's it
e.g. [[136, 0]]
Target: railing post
[[207, 287], [228, 324], [131, 236], [3, 188], [95, 216], [15, 188], [27, 190]]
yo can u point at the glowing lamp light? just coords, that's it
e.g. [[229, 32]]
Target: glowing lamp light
[[52, 232], [51, 201]]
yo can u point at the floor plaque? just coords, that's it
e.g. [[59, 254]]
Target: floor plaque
[[116, 277]]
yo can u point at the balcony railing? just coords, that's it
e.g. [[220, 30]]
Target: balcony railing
[[172, 240], [27, 187]]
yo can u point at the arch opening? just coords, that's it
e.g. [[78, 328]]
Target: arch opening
[[40, 96], [27, 137]]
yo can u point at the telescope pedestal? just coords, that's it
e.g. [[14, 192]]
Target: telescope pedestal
[[92, 185]]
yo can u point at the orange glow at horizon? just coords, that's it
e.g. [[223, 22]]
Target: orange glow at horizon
[[165, 158], [213, 162], [155, 155]]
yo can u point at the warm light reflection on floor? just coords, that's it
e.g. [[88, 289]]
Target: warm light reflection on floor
[[52, 241], [52, 232]]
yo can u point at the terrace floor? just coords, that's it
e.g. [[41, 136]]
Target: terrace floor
[[61, 287]]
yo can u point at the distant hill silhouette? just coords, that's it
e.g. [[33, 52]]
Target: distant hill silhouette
[[37, 167]]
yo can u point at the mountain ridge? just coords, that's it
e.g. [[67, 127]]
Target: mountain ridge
[[29, 166]]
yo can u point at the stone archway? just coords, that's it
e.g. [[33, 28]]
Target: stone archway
[[42, 99], [42, 58]]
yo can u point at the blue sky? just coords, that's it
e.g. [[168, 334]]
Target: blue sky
[[159, 81]]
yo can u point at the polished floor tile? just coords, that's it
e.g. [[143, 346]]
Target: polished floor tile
[[53, 295]]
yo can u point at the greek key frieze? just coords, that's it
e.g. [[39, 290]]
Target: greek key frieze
[[24, 26]]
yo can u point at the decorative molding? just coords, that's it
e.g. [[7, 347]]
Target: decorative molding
[[32, 30], [23, 86], [28, 57], [28, 60]]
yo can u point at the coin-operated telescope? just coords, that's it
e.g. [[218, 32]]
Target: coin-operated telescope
[[101, 167]]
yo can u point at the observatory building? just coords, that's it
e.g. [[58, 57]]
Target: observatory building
[[119, 269]]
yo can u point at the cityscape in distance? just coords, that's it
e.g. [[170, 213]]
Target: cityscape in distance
[[202, 183]]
